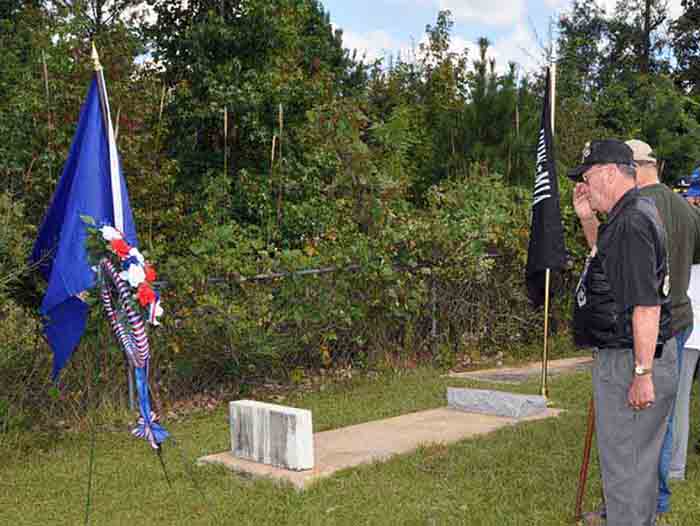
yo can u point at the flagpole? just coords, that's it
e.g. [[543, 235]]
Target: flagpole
[[544, 390], [553, 80], [115, 186], [111, 144]]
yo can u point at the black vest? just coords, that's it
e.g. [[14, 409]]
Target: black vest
[[597, 320]]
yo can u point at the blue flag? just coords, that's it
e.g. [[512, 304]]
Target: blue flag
[[91, 184]]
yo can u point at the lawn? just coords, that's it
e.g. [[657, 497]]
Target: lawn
[[523, 475]]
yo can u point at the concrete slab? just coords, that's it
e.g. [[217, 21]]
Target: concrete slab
[[341, 448], [516, 375], [499, 403]]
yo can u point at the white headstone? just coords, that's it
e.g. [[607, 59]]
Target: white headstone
[[272, 434]]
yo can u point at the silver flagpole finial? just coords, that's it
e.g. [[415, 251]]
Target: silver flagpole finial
[[96, 58]]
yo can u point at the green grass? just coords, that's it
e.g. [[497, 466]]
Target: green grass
[[523, 475]]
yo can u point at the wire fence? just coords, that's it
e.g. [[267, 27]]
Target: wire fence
[[337, 316], [230, 332]]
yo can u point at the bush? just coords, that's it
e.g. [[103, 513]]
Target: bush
[[430, 282]]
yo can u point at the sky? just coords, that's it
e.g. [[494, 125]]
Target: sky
[[518, 29]]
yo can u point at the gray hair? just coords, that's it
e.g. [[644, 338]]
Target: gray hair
[[627, 170]]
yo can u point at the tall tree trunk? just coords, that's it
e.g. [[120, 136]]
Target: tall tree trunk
[[646, 39]]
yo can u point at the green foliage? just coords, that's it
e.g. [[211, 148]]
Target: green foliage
[[18, 327], [653, 110], [249, 58], [256, 148], [581, 59], [14, 242], [637, 37], [616, 81], [685, 37], [19, 341], [464, 111], [457, 264], [21, 92]]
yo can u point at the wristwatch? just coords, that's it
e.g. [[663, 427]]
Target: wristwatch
[[641, 371]]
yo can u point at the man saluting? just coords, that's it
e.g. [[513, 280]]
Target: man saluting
[[622, 311]]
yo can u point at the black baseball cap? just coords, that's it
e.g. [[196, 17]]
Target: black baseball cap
[[607, 151]]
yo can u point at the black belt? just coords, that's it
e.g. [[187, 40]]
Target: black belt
[[659, 352]]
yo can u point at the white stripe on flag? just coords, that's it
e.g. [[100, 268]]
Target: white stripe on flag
[[540, 198], [114, 173]]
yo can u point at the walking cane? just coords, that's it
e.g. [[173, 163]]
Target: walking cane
[[583, 473]]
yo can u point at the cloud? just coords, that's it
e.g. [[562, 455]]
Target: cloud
[[459, 44], [374, 44], [608, 5], [489, 12], [515, 40], [675, 9], [519, 46]]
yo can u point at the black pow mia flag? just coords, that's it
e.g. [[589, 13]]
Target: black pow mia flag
[[546, 248]]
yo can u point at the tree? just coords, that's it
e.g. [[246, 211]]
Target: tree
[[262, 64], [582, 32], [489, 115], [596, 49], [96, 16], [636, 40], [23, 124], [9, 9], [615, 81], [443, 93], [686, 46]]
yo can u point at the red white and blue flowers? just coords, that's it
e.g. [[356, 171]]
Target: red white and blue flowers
[[123, 270], [137, 272]]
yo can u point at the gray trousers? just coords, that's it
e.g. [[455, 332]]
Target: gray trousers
[[682, 413], [629, 441]]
